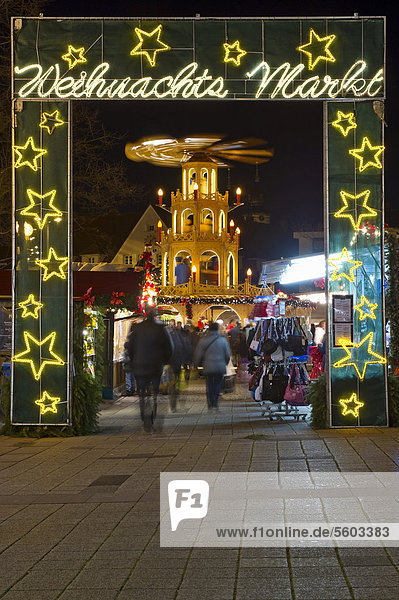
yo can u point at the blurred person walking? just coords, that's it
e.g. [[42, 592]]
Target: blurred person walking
[[127, 366], [180, 358], [213, 354], [150, 347]]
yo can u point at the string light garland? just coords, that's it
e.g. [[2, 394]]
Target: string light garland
[[74, 56], [315, 40], [26, 305], [364, 314], [233, 53], [44, 263], [47, 403], [23, 357], [341, 214], [51, 211], [337, 273], [356, 405], [347, 360], [22, 161], [50, 121], [139, 50], [359, 154], [349, 118]]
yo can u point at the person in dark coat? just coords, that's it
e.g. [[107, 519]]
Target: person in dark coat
[[149, 347], [234, 339], [180, 358], [213, 353]]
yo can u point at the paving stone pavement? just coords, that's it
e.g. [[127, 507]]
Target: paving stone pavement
[[79, 517]]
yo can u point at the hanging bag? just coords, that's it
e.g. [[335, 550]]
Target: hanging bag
[[294, 393], [274, 384]]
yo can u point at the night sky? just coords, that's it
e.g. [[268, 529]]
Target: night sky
[[291, 183]]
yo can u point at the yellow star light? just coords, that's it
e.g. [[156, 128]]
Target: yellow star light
[[356, 404], [344, 122], [50, 121], [369, 212], [314, 49], [47, 403], [74, 56], [233, 53], [363, 314], [51, 211], [139, 49], [341, 273], [27, 311], [62, 262], [348, 361], [26, 355], [366, 162], [23, 160]]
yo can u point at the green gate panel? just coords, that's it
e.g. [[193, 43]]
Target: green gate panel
[[42, 290], [355, 264]]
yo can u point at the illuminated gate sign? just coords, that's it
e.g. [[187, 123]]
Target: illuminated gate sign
[[337, 60]]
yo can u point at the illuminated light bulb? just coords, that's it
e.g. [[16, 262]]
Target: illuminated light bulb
[[249, 272], [28, 229], [194, 269], [85, 332]]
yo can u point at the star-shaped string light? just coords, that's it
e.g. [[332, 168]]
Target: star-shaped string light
[[344, 122], [352, 402], [74, 56], [338, 265], [60, 261], [50, 121], [368, 211], [47, 403], [151, 52], [318, 47], [349, 361], [50, 211], [41, 347], [233, 53], [26, 306], [371, 306], [361, 155], [23, 152]]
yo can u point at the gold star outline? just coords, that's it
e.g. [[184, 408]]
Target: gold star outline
[[314, 41], [50, 121], [29, 312], [22, 161], [51, 211], [341, 214], [359, 154], [62, 262], [233, 49], [140, 50], [47, 403], [347, 360], [74, 56], [353, 400], [364, 314], [23, 357], [340, 121], [337, 273]]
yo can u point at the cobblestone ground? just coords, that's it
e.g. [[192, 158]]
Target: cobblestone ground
[[79, 516]]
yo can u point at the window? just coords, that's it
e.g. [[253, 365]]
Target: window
[[150, 227], [128, 259]]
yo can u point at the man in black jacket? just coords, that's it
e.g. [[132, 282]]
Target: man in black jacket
[[150, 347]]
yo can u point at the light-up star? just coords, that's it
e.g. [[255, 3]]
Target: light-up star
[[47, 403], [27, 310], [50, 121], [40, 348], [39, 200], [361, 154], [352, 402], [349, 361], [367, 210], [339, 266], [233, 53], [318, 47], [344, 122], [60, 261], [364, 314], [149, 52], [74, 56], [23, 157]]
